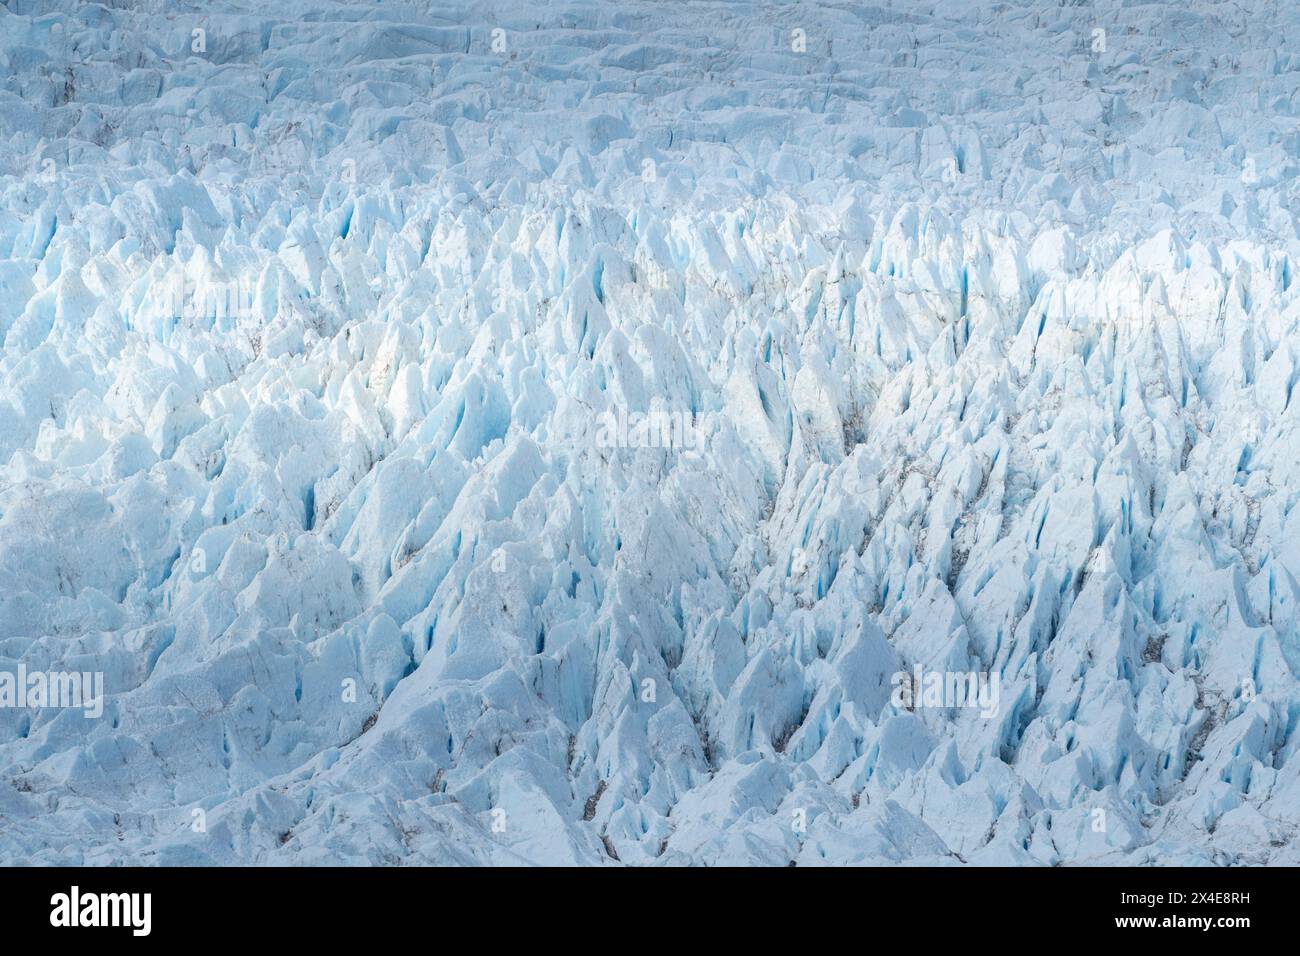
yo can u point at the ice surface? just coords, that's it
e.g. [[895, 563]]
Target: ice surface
[[520, 432]]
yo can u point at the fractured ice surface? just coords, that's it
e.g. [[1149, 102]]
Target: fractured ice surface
[[520, 432]]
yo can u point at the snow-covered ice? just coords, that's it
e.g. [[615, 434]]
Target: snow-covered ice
[[501, 432]]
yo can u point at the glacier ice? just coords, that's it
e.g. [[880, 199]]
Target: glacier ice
[[508, 432]]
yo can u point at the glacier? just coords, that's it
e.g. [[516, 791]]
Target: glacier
[[519, 433]]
